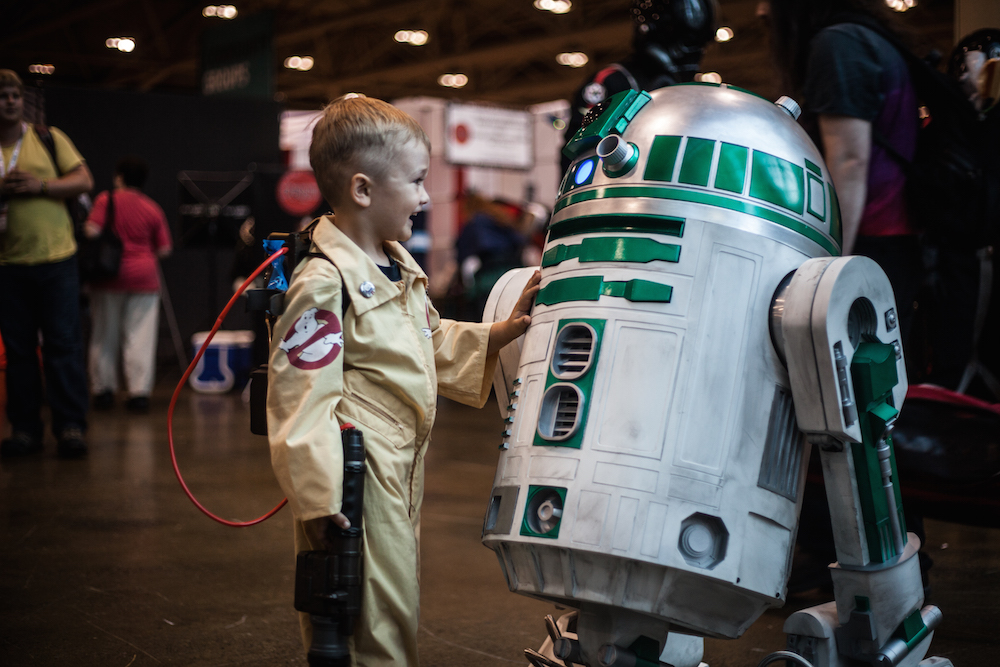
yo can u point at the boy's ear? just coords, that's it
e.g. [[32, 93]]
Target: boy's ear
[[361, 190]]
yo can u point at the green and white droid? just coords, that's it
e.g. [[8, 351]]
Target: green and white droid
[[694, 329]]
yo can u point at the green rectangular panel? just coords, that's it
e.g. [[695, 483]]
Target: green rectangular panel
[[697, 161], [582, 288], [732, 171], [657, 224], [592, 288], [813, 167], [647, 291], [662, 158], [613, 249], [777, 182], [817, 204]]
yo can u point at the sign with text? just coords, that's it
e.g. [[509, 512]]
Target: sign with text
[[237, 58], [485, 136]]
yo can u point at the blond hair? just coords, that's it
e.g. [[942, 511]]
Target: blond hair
[[10, 79], [358, 134]]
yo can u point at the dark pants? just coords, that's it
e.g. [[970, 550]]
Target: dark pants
[[43, 299], [900, 258]]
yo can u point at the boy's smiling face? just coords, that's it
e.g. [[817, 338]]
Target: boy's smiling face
[[399, 193]]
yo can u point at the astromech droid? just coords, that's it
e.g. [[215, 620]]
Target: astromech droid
[[694, 332]]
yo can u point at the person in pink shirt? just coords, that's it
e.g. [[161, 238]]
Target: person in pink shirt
[[125, 310]]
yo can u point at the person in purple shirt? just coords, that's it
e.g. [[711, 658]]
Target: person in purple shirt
[[857, 98]]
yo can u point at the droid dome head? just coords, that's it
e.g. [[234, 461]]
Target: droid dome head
[[711, 147], [674, 32]]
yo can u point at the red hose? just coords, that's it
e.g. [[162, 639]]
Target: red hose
[[177, 392]]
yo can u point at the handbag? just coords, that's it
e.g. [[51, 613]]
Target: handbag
[[100, 258]]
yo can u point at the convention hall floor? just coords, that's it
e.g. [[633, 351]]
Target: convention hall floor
[[105, 563]]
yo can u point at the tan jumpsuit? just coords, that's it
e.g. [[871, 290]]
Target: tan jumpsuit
[[380, 367]]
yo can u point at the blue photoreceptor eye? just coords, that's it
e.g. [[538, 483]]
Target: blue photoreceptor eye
[[584, 171]]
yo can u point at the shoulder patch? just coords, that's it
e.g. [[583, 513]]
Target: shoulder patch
[[314, 340]]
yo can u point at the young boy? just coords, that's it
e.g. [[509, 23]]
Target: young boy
[[379, 363]]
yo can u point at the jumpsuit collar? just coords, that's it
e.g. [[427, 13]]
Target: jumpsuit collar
[[356, 268]]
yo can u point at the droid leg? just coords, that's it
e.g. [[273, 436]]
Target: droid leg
[[848, 383]]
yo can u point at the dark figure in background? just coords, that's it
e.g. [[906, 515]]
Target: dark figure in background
[[40, 291], [125, 310], [856, 93], [667, 46], [854, 86], [961, 290], [489, 245]]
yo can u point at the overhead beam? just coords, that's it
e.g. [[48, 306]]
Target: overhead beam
[[604, 37]]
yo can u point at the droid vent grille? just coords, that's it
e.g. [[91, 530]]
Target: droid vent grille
[[560, 412], [781, 467], [573, 352], [566, 411]]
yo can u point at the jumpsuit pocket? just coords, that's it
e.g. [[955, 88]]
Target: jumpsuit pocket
[[375, 416], [377, 408]]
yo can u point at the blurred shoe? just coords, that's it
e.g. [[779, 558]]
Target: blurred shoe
[[71, 444], [138, 404], [104, 401], [20, 444]]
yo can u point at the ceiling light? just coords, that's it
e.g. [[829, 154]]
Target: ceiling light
[[572, 59], [453, 80], [300, 63], [123, 44], [554, 6], [901, 5], [41, 69], [723, 34], [708, 77], [220, 11], [414, 37]]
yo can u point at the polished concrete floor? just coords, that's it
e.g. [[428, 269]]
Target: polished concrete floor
[[104, 562]]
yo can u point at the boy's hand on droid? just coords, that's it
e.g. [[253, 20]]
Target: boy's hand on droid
[[521, 317], [319, 530], [501, 333]]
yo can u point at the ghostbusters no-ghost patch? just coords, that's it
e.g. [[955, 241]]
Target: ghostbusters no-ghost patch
[[314, 340]]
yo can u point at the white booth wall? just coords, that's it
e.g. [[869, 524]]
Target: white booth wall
[[446, 182]]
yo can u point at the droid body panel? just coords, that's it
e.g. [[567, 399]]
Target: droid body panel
[[652, 459]]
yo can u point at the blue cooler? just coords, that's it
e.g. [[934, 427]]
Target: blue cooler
[[226, 362]]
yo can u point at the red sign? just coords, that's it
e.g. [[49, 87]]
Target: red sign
[[297, 193]]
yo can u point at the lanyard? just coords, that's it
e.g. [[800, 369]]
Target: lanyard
[[15, 154]]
